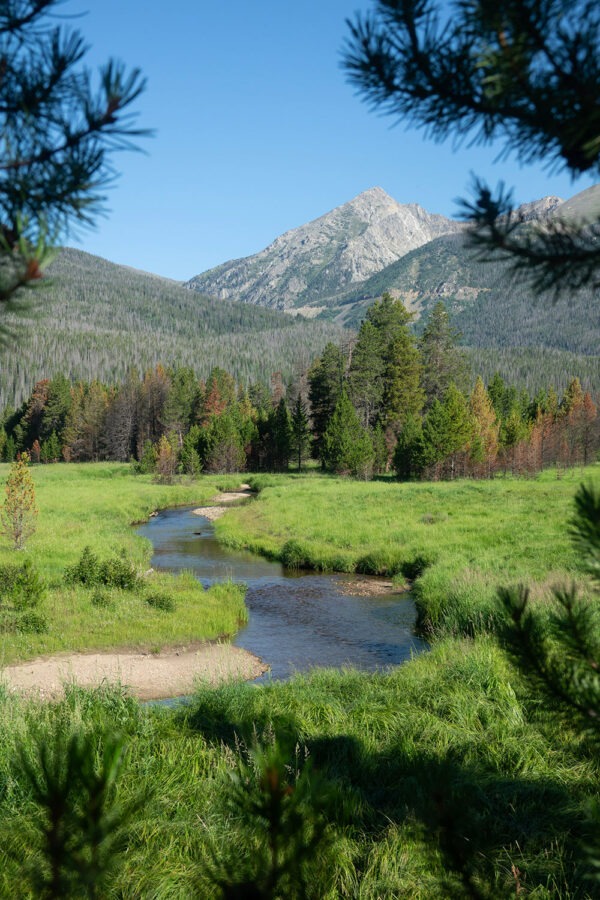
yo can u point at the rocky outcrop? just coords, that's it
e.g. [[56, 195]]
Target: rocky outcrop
[[317, 262]]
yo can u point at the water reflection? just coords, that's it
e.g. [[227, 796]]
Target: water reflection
[[297, 621]]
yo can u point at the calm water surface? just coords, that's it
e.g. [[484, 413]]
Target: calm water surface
[[297, 621]]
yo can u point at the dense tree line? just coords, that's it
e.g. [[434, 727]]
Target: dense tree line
[[387, 400], [95, 320], [166, 420], [401, 401]]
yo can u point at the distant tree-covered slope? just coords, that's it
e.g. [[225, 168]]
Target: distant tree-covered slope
[[534, 368], [491, 307], [96, 319]]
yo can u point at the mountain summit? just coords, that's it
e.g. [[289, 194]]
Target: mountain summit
[[308, 268]]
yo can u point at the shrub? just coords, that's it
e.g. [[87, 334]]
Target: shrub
[[85, 571], [116, 572], [295, 555], [21, 586], [163, 602], [101, 599], [30, 622]]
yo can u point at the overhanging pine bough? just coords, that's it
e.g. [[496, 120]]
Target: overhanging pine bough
[[59, 129], [526, 72]]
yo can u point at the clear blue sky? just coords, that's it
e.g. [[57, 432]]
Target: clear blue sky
[[257, 132]]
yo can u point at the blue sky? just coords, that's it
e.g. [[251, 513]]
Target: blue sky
[[257, 131]]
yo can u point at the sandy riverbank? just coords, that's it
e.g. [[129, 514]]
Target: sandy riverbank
[[223, 502], [149, 676]]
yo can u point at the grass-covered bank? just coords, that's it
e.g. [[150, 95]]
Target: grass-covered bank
[[459, 540], [447, 761], [445, 738], [95, 505]]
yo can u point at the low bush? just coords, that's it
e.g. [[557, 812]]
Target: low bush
[[85, 571], [30, 622], [295, 555], [116, 572], [101, 599], [21, 586], [161, 601], [21, 591]]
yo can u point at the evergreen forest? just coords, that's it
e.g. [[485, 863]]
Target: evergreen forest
[[91, 319], [385, 401]]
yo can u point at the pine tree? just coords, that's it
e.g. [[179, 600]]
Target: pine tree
[[51, 451], [484, 447], [280, 431], [443, 361], [525, 72], [561, 659], [380, 450], [447, 433], [166, 458], [224, 449], [326, 379], [181, 402], [10, 450], [58, 133], [347, 447], [56, 408], [300, 436], [408, 453], [365, 374], [189, 455], [404, 395], [389, 317], [19, 512], [120, 440]]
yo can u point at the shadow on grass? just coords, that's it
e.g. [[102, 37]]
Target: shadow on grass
[[495, 834]]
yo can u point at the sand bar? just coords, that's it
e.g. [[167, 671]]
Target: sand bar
[[149, 676]]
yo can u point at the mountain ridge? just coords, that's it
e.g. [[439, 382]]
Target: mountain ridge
[[321, 258]]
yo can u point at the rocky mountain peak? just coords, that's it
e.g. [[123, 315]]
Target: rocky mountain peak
[[308, 267]]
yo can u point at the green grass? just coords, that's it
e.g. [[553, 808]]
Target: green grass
[[451, 726], [449, 743], [96, 505], [462, 539]]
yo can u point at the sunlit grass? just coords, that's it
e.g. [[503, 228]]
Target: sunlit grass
[[97, 505], [456, 712], [471, 535]]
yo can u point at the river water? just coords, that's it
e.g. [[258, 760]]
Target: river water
[[297, 620]]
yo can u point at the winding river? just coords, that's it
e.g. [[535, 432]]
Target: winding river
[[297, 620]]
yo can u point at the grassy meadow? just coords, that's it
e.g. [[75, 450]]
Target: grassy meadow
[[446, 761], [96, 505], [453, 724], [456, 540]]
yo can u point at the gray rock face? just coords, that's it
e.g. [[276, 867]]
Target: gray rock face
[[538, 209], [312, 265]]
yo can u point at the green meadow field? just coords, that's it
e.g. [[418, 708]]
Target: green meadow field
[[453, 743], [95, 505], [456, 541]]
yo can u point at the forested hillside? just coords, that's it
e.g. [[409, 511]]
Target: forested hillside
[[95, 320], [529, 339], [390, 400], [491, 307]]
